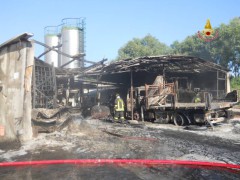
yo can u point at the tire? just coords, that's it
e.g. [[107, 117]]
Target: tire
[[178, 120], [136, 116]]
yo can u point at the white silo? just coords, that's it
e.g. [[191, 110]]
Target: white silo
[[72, 40], [51, 39]]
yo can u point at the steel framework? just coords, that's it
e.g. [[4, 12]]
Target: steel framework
[[44, 85]]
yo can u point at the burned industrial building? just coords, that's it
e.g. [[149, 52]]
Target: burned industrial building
[[176, 107], [157, 88]]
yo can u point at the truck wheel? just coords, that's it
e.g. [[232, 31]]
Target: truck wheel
[[178, 120], [136, 116]]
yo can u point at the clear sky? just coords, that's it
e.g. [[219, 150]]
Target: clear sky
[[112, 23]]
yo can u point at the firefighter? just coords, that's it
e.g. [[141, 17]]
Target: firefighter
[[119, 108], [197, 98]]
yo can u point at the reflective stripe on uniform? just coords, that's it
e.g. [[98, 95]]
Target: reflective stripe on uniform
[[120, 105], [197, 100]]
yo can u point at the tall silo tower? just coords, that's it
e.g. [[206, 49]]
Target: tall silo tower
[[72, 40], [51, 38]]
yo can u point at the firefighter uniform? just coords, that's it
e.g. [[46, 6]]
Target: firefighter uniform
[[119, 108], [197, 98]]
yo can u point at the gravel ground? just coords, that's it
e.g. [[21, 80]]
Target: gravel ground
[[88, 138]]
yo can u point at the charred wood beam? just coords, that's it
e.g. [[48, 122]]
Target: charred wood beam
[[99, 82], [172, 62], [95, 65]]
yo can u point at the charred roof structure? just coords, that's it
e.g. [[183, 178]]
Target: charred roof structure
[[182, 64], [191, 72]]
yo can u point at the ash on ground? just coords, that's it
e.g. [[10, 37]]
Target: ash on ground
[[85, 138]]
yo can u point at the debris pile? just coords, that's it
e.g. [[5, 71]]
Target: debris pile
[[49, 120], [100, 111]]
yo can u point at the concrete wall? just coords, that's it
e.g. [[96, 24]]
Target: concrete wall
[[16, 64]]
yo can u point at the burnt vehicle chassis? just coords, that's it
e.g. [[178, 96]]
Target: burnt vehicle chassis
[[152, 104]]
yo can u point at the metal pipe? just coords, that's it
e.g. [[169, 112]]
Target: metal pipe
[[47, 51], [60, 52], [217, 84], [131, 96], [98, 94], [68, 63]]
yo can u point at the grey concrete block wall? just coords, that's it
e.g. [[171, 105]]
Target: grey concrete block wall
[[16, 65]]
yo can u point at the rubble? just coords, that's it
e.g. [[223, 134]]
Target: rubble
[[49, 120], [100, 111]]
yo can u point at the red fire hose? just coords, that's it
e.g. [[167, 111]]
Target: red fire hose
[[143, 162]]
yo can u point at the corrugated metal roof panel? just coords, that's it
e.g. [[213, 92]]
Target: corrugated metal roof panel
[[21, 37]]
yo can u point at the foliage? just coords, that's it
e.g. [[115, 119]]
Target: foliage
[[147, 46], [225, 50], [235, 83]]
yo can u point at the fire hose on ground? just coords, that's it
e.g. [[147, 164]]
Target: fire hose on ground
[[131, 162]]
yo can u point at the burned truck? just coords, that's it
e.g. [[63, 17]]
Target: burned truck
[[179, 89], [165, 103]]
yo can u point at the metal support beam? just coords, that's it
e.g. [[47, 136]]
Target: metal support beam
[[47, 51], [62, 53], [68, 63], [98, 93], [217, 84], [131, 96], [44, 85], [33, 87], [54, 87]]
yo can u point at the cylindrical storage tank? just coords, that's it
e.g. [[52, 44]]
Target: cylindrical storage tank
[[60, 49], [72, 39], [52, 56], [51, 39]]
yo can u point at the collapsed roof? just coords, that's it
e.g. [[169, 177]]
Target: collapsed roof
[[144, 68], [185, 64]]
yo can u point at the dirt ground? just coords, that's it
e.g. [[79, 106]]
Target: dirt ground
[[91, 138]]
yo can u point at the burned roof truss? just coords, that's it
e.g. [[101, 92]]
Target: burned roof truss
[[181, 64]]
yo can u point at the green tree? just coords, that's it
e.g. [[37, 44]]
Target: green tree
[[235, 83], [147, 46], [225, 50]]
